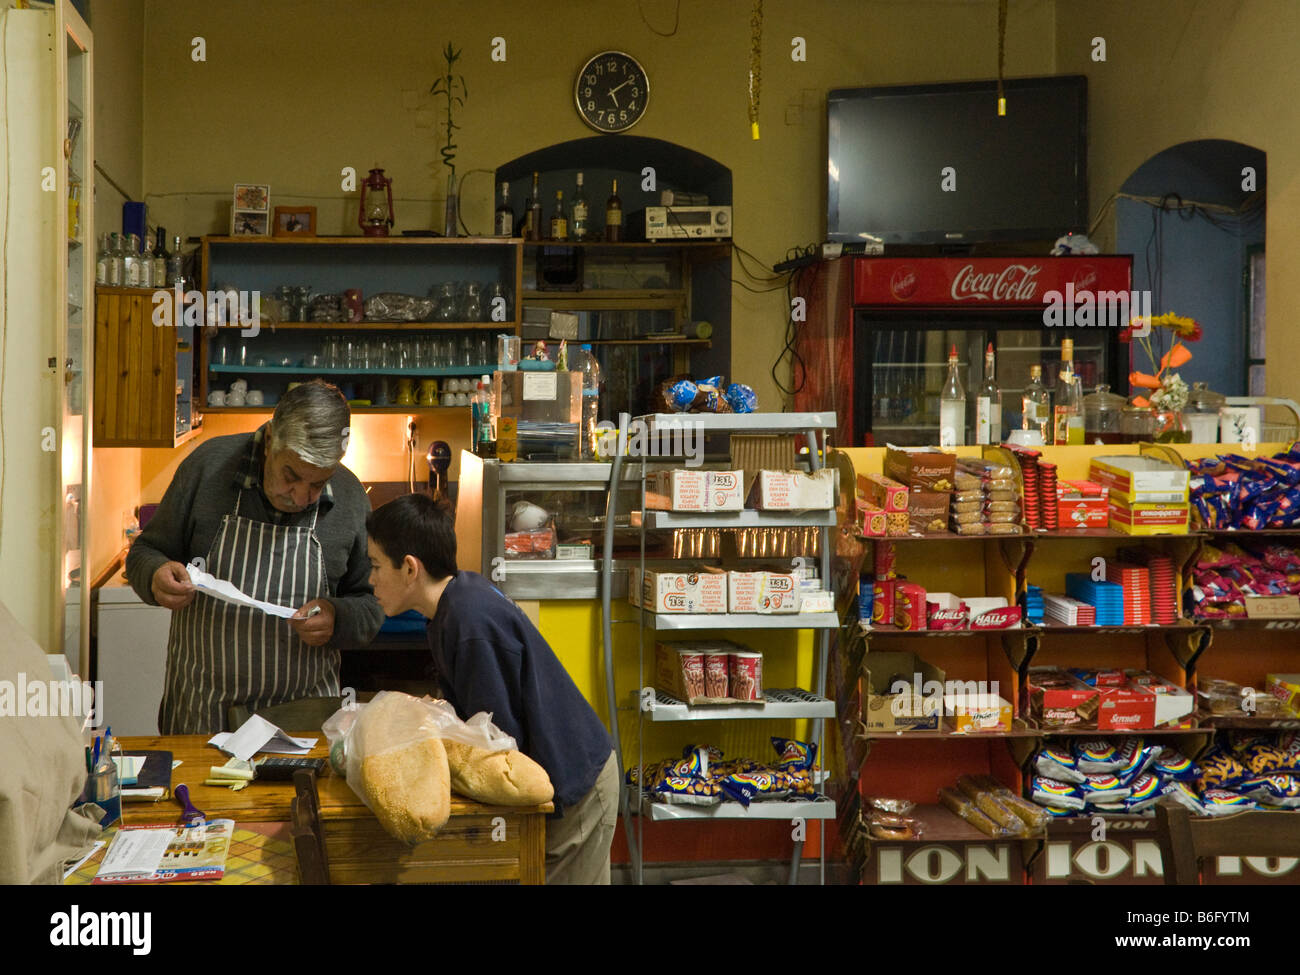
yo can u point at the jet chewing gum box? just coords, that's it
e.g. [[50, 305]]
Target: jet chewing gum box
[[674, 591], [689, 490], [793, 490]]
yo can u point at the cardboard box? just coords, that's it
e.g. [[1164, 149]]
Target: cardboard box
[[1081, 504], [1286, 688], [870, 520], [883, 492], [1140, 480], [1136, 706], [977, 712], [1147, 518], [688, 490], [779, 593], [911, 709], [1056, 698], [909, 606], [946, 611], [674, 591], [927, 468], [793, 490], [927, 512]]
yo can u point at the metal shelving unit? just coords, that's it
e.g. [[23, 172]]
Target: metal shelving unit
[[783, 704]]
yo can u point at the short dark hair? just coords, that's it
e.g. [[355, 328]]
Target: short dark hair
[[416, 524]]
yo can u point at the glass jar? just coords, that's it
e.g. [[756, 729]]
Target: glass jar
[[1102, 411], [1169, 427], [1201, 415], [1137, 423], [447, 304], [473, 301]]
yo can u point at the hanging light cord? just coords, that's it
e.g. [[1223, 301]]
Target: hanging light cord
[[755, 65], [1002, 40]]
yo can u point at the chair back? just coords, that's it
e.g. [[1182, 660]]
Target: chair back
[[308, 834], [1185, 840]]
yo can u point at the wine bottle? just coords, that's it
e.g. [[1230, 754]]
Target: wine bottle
[[533, 226], [159, 258], [614, 216], [559, 222], [1036, 406], [505, 225], [988, 404], [952, 406], [578, 224]]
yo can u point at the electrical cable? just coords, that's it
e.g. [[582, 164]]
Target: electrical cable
[[677, 11]]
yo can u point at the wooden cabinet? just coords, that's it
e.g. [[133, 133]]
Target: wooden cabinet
[[143, 371]]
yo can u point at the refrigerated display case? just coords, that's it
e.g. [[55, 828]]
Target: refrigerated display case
[[876, 344]]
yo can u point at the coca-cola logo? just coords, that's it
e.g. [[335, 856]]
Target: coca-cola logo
[[1015, 282], [1087, 278], [903, 284]]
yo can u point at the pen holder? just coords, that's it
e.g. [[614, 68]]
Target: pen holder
[[102, 790]]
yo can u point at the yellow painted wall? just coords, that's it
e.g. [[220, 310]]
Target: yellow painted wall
[[1177, 71]]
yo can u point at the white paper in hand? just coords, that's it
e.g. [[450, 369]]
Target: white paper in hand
[[207, 583]]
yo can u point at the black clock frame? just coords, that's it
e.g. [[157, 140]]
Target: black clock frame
[[578, 85]]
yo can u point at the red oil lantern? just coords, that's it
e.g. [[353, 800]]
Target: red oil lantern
[[375, 211]]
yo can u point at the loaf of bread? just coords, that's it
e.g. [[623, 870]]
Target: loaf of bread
[[404, 777], [506, 778]]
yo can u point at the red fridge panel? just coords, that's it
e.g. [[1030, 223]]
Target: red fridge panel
[[981, 282]]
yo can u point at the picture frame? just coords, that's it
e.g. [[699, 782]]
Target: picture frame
[[249, 223], [294, 222], [253, 196]]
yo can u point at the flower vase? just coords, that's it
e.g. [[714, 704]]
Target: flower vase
[[451, 223], [1169, 426]]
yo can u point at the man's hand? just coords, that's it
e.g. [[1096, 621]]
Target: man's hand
[[172, 587], [315, 631]]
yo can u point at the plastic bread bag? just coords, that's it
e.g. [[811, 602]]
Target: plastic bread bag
[[392, 756], [485, 763]]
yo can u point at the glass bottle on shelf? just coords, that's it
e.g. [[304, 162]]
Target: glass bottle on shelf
[[115, 268], [533, 225], [146, 266], [102, 260], [988, 404], [505, 225], [130, 262], [578, 228], [614, 215], [952, 406], [1036, 405], [1067, 417], [159, 258], [175, 269], [559, 222]]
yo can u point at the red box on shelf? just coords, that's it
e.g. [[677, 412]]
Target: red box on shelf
[[1081, 504]]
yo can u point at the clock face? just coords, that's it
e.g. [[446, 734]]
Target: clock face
[[611, 92]]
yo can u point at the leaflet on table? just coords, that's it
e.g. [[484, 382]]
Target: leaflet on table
[[225, 591], [259, 735], [152, 854]]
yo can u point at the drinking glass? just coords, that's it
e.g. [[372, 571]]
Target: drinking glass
[[447, 304], [465, 351], [473, 308]]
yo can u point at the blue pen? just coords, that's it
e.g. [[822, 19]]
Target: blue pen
[[95, 759]]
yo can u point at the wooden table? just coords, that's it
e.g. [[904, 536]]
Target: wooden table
[[479, 843]]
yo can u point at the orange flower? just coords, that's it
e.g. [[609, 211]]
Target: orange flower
[[1177, 356], [1144, 380], [1141, 402]]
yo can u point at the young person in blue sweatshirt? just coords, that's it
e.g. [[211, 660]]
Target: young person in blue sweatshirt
[[490, 657]]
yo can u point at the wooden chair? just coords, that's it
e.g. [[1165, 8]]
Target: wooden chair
[[304, 714], [1185, 841], [308, 834]]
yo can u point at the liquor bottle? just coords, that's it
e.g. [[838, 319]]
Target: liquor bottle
[[1067, 417], [988, 404], [160, 256], [952, 406], [578, 224], [533, 226], [614, 216], [1036, 406], [131, 262], [175, 268], [102, 260], [114, 261], [505, 215], [559, 222], [146, 265]]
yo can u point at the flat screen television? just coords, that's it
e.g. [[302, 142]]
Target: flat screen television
[[1022, 176]]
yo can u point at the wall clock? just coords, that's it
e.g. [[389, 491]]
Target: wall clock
[[611, 92]]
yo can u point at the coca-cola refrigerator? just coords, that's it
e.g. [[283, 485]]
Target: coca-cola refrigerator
[[875, 345]]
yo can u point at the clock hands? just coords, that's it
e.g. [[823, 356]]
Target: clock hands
[[612, 90]]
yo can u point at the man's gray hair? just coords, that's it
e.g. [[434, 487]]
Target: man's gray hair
[[311, 420]]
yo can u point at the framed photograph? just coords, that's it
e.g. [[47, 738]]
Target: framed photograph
[[294, 222], [248, 223], [252, 196]]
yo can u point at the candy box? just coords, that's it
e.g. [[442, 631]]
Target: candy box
[[1147, 518], [1140, 480], [1286, 688], [977, 712], [927, 468], [1058, 699], [883, 492], [927, 512], [900, 691], [871, 521], [674, 591], [742, 591], [793, 490], [1142, 706], [909, 606], [945, 611], [779, 593], [1081, 504], [691, 490]]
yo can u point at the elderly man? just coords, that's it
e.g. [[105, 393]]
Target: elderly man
[[276, 514]]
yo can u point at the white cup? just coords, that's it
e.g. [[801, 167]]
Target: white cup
[[462, 399], [254, 397], [1025, 438], [235, 399], [1239, 424], [448, 398], [217, 398], [239, 386]]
